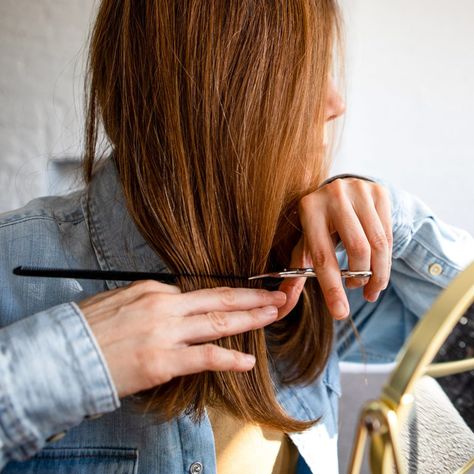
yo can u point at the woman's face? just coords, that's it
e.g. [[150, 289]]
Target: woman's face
[[335, 106]]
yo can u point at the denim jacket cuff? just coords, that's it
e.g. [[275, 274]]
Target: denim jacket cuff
[[52, 375]]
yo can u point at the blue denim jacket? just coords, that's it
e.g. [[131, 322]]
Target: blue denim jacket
[[59, 410]]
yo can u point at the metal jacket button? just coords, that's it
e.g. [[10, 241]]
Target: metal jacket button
[[435, 269], [196, 468]]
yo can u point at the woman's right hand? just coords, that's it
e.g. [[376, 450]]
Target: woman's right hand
[[150, 332]]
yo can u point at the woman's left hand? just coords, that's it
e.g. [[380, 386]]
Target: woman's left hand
[[357, 211]]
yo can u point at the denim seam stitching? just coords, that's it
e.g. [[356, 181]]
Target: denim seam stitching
[[430, 252], [105, 371]]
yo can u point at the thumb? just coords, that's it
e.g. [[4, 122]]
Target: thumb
[[300, 258]]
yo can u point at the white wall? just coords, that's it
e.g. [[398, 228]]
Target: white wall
[[41, 62], [409, 105], [410, 99]]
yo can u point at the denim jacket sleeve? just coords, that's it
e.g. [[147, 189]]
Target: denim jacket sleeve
[[52, 375], [427, 254]]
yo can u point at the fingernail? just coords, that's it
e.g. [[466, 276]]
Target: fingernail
[[249, 359], [372, 297], [353, 283], [270, 311], [340, 309]]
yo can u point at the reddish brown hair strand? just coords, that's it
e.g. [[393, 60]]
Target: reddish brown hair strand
[[214, 111]]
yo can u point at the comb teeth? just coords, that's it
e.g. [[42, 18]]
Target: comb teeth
[[109, 274], [22, 269], [92, 274]]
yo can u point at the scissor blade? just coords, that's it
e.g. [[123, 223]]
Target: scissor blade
[[308, 272]]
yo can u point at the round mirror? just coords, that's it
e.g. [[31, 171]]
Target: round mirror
[[436, 433], [424, 420]]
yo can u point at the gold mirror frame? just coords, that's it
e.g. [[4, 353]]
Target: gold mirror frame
[[380, 420]]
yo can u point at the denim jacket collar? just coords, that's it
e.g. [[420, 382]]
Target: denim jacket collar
[[117, 243]]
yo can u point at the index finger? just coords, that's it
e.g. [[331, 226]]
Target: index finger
[[327, 270], [225, 299], [293, 287]]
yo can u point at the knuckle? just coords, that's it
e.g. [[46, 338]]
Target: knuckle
[[261, 293], [218, 322], [228, 296], [153, 286], [152, 301], [378, 241], [358, 248], [236, 359], [320, 259], [264, 296], [254, 317], [124, 309], [254, 313], [305, 201], [336, 187], [362, 188], [210, 356], [380, 191], [145, 286], [360, 184], [379, 280]]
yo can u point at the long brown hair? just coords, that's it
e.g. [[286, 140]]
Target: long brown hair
[[214, 111]]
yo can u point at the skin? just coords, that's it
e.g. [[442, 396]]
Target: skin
[[166, 333], [357, 211]]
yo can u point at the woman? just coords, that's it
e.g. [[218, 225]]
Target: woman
[[215, 113]]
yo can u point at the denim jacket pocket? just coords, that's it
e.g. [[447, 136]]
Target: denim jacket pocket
[[78, 461]]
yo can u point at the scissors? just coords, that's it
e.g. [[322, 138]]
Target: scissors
[[308, 272]]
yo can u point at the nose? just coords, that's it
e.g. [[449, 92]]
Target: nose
[[335, 105]]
